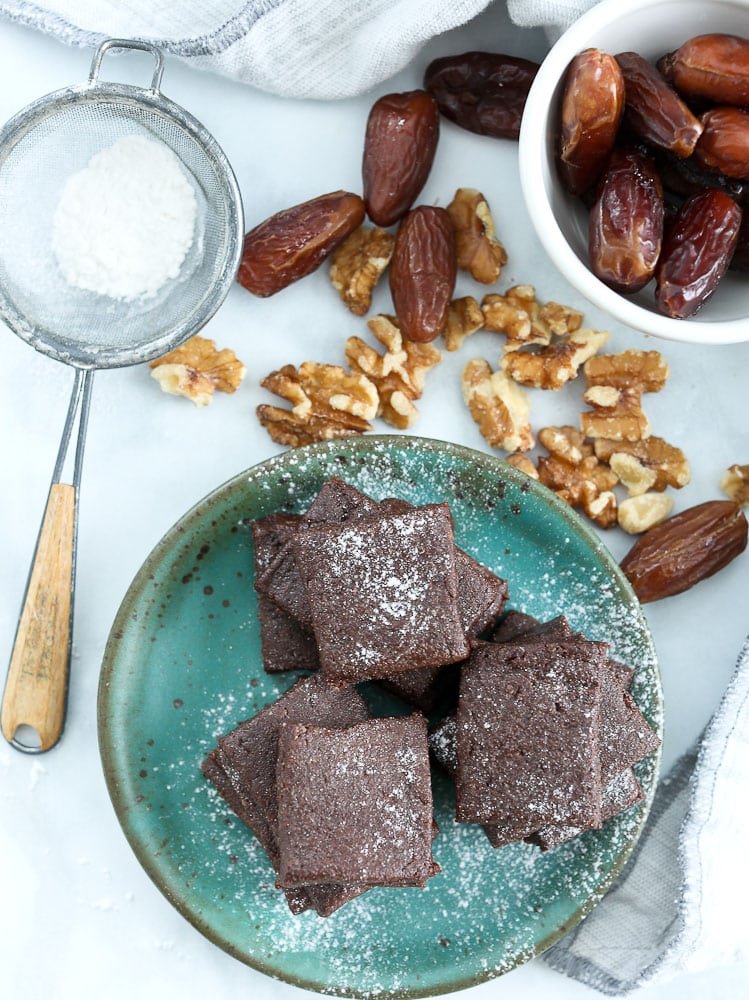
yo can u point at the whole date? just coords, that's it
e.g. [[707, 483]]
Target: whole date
[[423, 272], [696, 252], [293, 243], [592, 105], [626, 222], [483, 92], [399, 146]]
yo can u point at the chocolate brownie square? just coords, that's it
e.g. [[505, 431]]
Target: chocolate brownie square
[[270, 534], [481, 593], [518, 626], [337, 502], [626, 736], [285, 645], [424, 689], [527, 736], [383, 593], [619, 794], [513, 625], [279, 579], [355, 805], [243, 769]]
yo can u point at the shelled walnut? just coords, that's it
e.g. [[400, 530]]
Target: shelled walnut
[[358, 264], [645, 371], [522, 462], [616, 413], [398, 374], [653, 455], [196, 369], [499, 406], [477, 248], [557, 363], [572, 470], [616, 383], [643, 511], [464, 317], [735, 484], [515, 314], [524, 320], [327, 402]]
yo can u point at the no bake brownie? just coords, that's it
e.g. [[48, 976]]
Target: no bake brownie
[[355, 804], [527, 736], [243, 769], [383, 593], [481, 594]]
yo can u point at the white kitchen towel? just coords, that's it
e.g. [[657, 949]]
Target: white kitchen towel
[[554, 15], [296, 48], [671, 909]]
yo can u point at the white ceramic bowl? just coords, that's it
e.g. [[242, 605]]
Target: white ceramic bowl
[[652, 28]]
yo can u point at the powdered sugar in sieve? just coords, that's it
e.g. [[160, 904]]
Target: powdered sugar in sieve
[[125, 222]]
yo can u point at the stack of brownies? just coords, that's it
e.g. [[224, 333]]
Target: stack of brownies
[[540, 731]]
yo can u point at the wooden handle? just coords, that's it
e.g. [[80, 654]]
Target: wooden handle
[[36, 689]]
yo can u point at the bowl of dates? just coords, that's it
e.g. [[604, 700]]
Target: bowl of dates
[[634, 160]]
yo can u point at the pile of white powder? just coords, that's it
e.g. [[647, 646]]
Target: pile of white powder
[[125, 222]]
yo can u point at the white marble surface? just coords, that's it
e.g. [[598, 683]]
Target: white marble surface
[[80, 918]]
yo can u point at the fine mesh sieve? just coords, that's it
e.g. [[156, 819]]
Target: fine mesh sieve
[[40, 148]]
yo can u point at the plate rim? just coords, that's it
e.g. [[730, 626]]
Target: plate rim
[[139, 584]]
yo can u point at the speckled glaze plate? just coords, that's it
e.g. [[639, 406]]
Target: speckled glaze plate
[[182, 667]]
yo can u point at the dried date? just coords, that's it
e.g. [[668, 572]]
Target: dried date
[[653, 110], [697, 250], [483, 92], [592, 104], [724, 143], [685, 177], [626, 222], [713, 66], [423, 270], [399, 147], [293, 243], [685, 549], [740, 259]]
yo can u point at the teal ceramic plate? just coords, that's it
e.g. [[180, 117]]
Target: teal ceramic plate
[[182, 667]]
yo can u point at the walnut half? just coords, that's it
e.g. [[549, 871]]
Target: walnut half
[[196, 369], [357, 265], [398, 374], [327, 402], [499, 406], [477, 248]]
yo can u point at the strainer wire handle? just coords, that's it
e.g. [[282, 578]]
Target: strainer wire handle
[[127, 43], [36, 688]]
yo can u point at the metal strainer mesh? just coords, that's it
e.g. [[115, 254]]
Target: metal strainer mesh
[[54, 139]]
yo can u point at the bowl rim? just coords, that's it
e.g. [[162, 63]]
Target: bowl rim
[[532, 141]]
